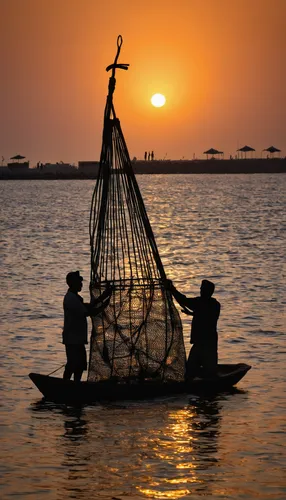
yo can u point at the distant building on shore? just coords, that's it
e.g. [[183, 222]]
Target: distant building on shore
[[17, 166], [88, 168], [55, 169]]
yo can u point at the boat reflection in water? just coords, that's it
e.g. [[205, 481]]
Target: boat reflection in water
[[160, 449]]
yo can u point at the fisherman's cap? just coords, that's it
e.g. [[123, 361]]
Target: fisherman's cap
[[208, 283], [73, 276]]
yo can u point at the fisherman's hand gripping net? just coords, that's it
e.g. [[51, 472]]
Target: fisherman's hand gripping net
[[139, 335]]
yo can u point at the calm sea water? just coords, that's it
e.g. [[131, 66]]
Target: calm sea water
[[232, 446]]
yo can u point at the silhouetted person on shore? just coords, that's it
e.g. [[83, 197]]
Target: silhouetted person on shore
[[145, 155], [75, 324], [205, 311], [149, 156], [152, 155]]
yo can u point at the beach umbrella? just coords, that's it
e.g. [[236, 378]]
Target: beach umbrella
[[272, 150], [246, 149], [17, 157], [212, 152]]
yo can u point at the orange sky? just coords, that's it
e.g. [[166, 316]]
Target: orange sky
[[220, 63]]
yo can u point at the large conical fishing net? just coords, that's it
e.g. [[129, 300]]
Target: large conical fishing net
[[139, 335]]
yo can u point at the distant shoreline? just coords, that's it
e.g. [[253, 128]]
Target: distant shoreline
[[235, 166]]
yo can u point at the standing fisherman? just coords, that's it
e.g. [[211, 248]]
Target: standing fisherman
[[75, 324], [205, 311]]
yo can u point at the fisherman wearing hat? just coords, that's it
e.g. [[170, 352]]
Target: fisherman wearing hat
[[204, 339], [75, 324]]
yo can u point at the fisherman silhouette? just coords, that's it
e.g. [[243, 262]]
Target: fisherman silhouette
[[204, 339], [75, 324]]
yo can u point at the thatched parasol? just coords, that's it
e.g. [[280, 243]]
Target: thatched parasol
[[246, 149], [272, 150], [17, 157], [213, 152]]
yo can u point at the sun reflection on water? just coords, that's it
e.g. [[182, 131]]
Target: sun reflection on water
[[166, 494], [190, 433]]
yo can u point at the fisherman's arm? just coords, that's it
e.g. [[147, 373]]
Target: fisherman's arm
[[103, 296], [98, 309], [187, 311], [98, 305], [184, 301]]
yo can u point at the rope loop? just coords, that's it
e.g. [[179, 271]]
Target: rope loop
[[119, 41]]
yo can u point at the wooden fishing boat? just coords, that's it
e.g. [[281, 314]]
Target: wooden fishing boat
[[67, 391]]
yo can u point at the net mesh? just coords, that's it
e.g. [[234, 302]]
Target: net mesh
[[139, 334]]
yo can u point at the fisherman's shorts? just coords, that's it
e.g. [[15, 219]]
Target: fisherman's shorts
[[76, 357]]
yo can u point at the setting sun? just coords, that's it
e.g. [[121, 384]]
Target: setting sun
[[158, 100]]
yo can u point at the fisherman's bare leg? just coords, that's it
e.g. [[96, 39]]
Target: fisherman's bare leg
[[77, 375], [210, 359], [67, 373], [193, 362]]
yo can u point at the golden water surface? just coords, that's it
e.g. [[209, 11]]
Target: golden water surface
[[227, 228]]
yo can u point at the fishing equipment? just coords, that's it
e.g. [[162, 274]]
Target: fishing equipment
[[139, 335]]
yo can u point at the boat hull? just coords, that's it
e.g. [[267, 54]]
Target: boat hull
[[59, 390]]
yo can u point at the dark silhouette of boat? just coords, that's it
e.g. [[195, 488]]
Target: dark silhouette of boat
[[59, 390]]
